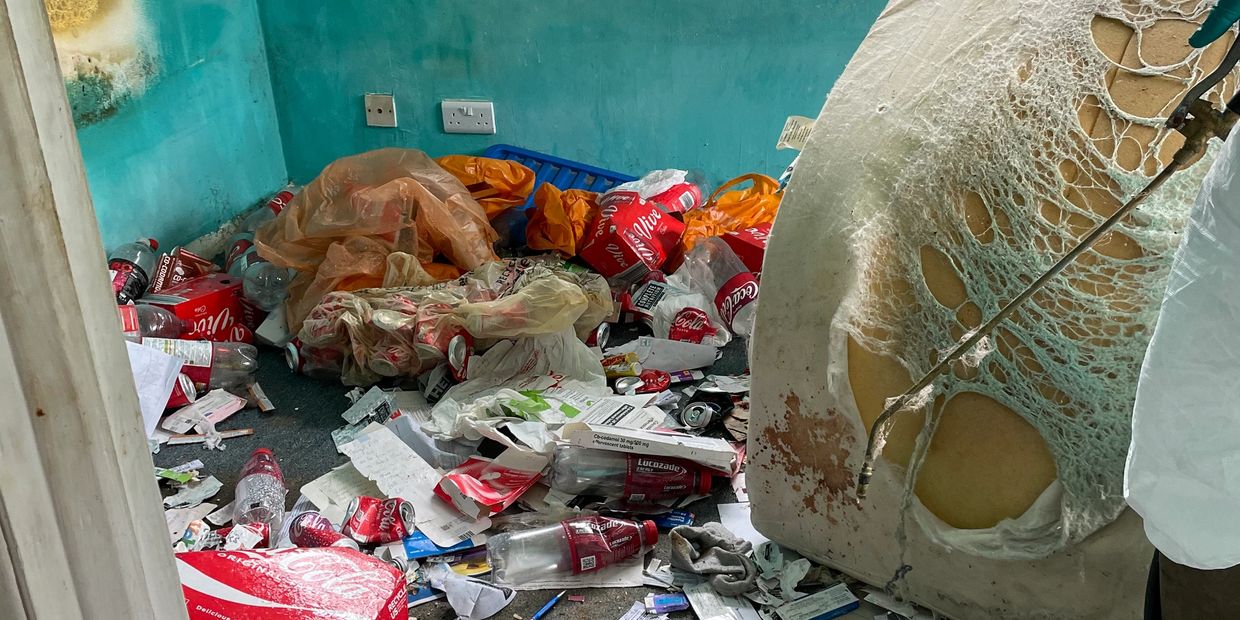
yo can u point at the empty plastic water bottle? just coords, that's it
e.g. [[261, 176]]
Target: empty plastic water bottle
[[714, 266], [633, 477], [266, 284], [130, 268], [219, 364], [147, 321], [260, 492], [571, 547]]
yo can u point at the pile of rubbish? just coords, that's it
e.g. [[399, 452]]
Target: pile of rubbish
[[533, 422]]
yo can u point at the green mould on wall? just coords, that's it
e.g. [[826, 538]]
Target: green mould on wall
[[103, 47]]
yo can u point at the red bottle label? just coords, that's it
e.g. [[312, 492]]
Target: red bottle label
[[128, 282], [735, 294], [651, 478], [597, 542], [691, 325]]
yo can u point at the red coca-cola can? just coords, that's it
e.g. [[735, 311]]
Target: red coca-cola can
[[372, 521], [311, 529]]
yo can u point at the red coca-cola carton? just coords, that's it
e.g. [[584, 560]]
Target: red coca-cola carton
[[177, 267], [749, 244], [322, 583], [212, 305], [630, 237]]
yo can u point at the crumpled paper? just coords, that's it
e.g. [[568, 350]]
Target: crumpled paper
[[470, 598]]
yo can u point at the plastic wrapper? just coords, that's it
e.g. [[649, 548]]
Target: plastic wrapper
[[404, 331], [559, 219], [497, 184], [1185, 432], [726, 211], [340, 229]]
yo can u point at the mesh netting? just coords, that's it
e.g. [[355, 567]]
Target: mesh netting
[[1000, 182], [66, 14]]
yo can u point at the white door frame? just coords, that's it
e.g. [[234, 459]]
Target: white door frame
[[81, 534]]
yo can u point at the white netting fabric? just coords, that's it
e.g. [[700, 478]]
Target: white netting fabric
[[998, 182]]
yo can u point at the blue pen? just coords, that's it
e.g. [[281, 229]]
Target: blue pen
[[546, 608]]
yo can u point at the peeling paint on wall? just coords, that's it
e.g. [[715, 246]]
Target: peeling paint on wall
[[104, 51]]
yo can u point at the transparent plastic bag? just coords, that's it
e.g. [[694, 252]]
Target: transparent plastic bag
[[404, 331], [339, 230]]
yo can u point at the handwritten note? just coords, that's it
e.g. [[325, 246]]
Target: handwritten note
[[382, 457]]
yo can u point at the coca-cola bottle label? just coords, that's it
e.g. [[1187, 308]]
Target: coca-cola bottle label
[[129, 319], [128, 282], [596, 542], [691, 325], [650, 478], [739, 291]]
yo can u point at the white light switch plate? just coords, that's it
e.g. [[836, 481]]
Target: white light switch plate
[[461, 116], [380, 110]]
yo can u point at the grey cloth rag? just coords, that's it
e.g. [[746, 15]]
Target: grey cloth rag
[[716, 553]]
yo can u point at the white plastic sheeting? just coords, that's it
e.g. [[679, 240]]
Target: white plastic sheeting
[[1183, 473]]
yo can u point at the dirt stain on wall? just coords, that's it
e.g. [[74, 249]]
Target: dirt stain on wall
[[813, 450]]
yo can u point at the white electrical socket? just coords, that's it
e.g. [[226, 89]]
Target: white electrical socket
[[380, 110], [461, 116]]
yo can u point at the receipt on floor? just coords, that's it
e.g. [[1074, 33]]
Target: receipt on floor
[[710, 605]]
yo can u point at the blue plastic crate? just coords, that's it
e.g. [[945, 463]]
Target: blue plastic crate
[[561, 173]]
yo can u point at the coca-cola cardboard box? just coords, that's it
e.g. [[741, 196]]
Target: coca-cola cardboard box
[[213, 307], [319, 583], [629, 237], [750, 245]]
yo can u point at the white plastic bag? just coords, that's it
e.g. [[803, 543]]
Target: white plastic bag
[[476, 407], [1183, 469]]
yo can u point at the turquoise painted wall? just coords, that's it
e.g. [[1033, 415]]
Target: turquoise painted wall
[[202, 143], [628, 84]]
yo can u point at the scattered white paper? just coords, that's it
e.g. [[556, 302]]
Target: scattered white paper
[[728, 384], [738, 487], [659, 575], [412, 404], [906, 610], [213, 408], [471, 599], [626, 574], [374, 405], [332, 492], [178, 519], [668, 355], [221, 516], [154, 373], [710, 605], [194, 493], [795, 132], [737, 518], [399, 472]]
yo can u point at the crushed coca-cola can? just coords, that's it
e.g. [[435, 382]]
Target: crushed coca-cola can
[[600, 336], [679, 198], [372, 521], [699, 415], [653, 381], [311, 529], [460, 349]]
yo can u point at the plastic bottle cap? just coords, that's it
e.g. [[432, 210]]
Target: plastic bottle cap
[[650, 533], [153, 243], [708, 480]]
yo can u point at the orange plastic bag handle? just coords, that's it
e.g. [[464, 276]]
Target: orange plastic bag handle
[[762, 184]]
